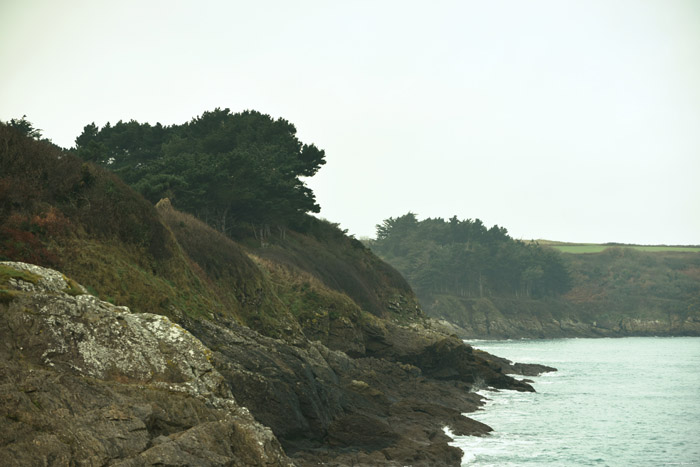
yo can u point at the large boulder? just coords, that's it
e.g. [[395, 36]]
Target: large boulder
[[87, 382]]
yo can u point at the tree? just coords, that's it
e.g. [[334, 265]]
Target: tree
[[463, 257], [228, 169], [25, 127]]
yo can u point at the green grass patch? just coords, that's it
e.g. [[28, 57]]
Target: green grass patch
[[662, 248], [579, 248], [8, 272], [73, 288], [126, 275]]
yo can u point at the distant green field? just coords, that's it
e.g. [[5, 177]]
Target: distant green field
[[597, 248], [580, 248]]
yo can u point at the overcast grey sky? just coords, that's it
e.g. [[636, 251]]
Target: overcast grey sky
[[566, 120]]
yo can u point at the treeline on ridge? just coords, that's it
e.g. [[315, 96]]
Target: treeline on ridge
[[60, 211], [47, 193], [465, 258], [231, 170]]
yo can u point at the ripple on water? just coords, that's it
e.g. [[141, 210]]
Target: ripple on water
[[629, 401]]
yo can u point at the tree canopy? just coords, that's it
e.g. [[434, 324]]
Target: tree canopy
[[464, 257], [25, 127], [223, 167]]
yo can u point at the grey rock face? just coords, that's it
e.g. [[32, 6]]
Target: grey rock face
[[86, 382], [328, 408], [48, 280]]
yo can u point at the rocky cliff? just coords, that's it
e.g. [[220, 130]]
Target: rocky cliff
[[510, 318], [85, 381], [321, 342]]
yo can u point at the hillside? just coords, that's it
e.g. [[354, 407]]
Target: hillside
[[606, 290], [323, 343]]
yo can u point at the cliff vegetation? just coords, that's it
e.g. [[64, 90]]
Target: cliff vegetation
[[493, 286], [243, 331]]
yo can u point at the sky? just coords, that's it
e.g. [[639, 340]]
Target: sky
[[573, 120]]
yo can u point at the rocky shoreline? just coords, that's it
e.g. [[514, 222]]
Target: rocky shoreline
[[510, 319], [88, 382]]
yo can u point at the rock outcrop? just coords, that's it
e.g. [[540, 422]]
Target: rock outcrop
[[510, 318], [88, 382], [327, 407], [324, 344]]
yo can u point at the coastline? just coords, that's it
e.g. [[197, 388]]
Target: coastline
[[214, 382], [596, 408], [529, 370]]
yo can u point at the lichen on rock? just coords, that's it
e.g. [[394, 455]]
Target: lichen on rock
[[47, 280], [102, 340], [121, 381]]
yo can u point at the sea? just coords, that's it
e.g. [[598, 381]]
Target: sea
[[613, 402]]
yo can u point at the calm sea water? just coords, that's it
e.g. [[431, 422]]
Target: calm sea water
[[616, 402]]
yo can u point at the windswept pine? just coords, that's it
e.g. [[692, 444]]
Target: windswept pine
[[230, 170]]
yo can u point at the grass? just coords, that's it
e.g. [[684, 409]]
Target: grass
[[687, 249], [73, 288], [308, 300], [125, 275], [7, 273], [578, 248], [344, 265], [89, 225]]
